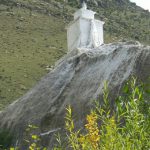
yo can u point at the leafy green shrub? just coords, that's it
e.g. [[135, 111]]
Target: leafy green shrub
[[124, 128], [33, 141]]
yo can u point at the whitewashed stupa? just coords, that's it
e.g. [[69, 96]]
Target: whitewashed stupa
[[84, 31]]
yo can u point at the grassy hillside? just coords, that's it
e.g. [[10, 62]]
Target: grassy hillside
[[30, 42], [33, 36]]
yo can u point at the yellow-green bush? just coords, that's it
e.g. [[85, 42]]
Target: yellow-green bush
[[126, 127]]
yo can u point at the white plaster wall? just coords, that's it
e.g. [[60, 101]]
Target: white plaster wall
[[79, 34], [85, 27], [88, 14], [99, 25], [73, 36], [85, 31]]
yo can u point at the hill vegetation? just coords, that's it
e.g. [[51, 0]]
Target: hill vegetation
[[33, 36]]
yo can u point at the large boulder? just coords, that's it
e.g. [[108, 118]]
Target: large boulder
[[77, 79]]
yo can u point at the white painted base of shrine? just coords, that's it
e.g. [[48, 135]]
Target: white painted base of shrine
[[86, 33]]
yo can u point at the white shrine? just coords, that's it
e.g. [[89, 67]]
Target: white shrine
[[84, 31]]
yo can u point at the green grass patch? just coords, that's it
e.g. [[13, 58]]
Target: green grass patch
[[29, 44]]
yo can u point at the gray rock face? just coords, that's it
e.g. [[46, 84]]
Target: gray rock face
[[77, 79]]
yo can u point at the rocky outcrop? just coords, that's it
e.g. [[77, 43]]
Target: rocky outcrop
[[77, 79]]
